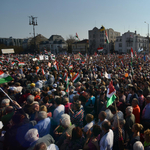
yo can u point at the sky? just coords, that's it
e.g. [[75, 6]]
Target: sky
[[68, 17]]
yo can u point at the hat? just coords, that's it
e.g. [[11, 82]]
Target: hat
[[55, 85], [49, 92], [32, 84], [53, 90], [13, 89]]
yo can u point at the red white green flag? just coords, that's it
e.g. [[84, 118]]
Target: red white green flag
[[77, 36], [21, 64], [13, 63], [1, 62], [107, 40], [131, 52], [4, 77], [43, 72], [17, 60], [70, 67], [76, 78], [110, 94], [56, 65]]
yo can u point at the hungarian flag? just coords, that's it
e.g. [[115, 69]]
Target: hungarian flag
[[45, 51], [83, 62], [17, 60], [21, 64], [52, 57], [37, 70], [100, 49], [13, 63], [43, 72], [76, 78], [107, 40], [56, 65], [70, 67], [1, 62], [77, 36], [65, 76], [80, 55], [95, 54], [135, 54], [110, 94], [4, 77], [121, 62]]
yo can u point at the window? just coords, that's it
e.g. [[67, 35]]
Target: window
[[120, 44]]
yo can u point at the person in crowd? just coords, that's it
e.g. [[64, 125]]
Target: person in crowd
[[136, 110], [102, 118], [66, 104], [32, 136], [138, 146], [147, 139]]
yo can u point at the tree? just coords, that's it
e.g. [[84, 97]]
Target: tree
[[71, 39]]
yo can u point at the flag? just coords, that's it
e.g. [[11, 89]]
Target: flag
[[102, 28], [37, 70], [43, 72], [1, 62], [56, 65], [95, 54], [106, 75], [110, 94], [100, 49], [122, 62], [83, 62], [77, 36], [76, 78], [45, 51], [17, 60], [4, 77], [21, 64], [131, 52], [140, 50], [107, 40], [80, 55], [13, 63], [52, 57], [70, 67]]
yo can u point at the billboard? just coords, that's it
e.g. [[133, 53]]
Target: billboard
[[7, 51]]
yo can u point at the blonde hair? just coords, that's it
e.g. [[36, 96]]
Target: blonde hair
[[43, 108]]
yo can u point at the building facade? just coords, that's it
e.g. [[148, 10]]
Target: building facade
[[97, 39], [81, 46], [11, 41], [130, 40], [57, 44]]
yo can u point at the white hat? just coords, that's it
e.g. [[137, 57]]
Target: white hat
[[52, 147], [55, 85], [1, 125]]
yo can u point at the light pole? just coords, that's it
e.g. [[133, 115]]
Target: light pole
[[33, 21], [148, 28]]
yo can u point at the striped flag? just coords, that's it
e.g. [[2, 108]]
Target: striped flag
[[4, 77], [13, 63], [131, 52], [56, 65], [107, 40], [77, 36], [1, 62], [21, 64], [70, 67], [76, 78], [17, 60], [67, 85], [122, 62]]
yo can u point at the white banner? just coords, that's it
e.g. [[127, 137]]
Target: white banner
[[41, 57]]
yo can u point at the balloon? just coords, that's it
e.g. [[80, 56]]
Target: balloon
[[126, 75], [37, 68]]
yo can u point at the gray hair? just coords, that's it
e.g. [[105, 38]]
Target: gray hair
[[37, 90], [32, 135], [65, 120], [130, 109], [30, 99], [5, 101], [138, 146], [42, 115]]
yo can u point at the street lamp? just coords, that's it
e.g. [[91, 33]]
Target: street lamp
[[33, 21], [148, 28]]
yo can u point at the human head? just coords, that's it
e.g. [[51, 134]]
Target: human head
[[77, 105], [96, 130], [89, 118], [65, 100], [32, 135], [43, 108], [112, 109], [5, 102], [40, 146], [106, 125], [129, 110], [30, 99], [58, 100], [76, 133], [36, 107], [138, 146], [17, 118], [102, 115], [134, 102], [137, 127], [148, 99], [147, 135], [42, 115], [65, 120]]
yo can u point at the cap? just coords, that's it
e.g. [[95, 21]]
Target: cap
[[55, 85], [32, 84]]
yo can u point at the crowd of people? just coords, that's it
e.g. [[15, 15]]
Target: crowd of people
[[53, 106]]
